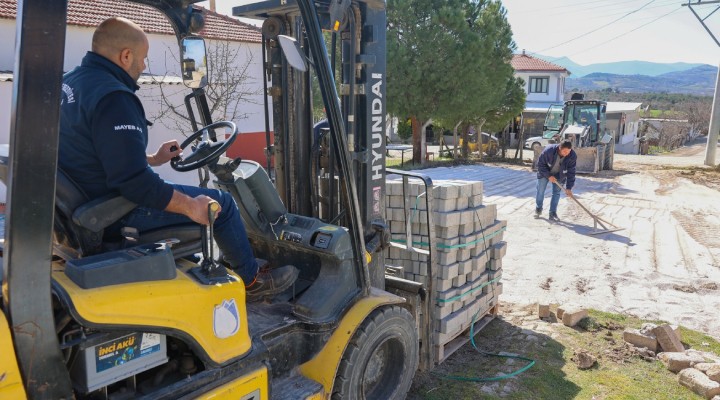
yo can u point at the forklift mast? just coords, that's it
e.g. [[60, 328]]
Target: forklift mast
[[306, 159]]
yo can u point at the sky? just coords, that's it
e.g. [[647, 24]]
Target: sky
[[598, 31]]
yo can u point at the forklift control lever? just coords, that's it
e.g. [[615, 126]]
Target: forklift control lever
[[380, 240]]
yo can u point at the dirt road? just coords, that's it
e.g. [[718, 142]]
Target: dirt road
[[664, 265]]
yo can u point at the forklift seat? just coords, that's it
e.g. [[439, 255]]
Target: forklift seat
[[79, 225]]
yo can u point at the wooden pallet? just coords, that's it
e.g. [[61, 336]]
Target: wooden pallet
[[443, 351]]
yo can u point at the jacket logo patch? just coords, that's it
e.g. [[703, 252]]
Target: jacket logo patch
[[226, 319], [128, 128], [67, 90]]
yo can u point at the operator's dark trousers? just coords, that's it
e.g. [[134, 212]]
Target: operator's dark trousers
[[229, 229]]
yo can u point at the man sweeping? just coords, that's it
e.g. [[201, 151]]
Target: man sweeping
[[556, 164]]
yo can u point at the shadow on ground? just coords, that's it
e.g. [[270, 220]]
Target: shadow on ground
[[545, 380]]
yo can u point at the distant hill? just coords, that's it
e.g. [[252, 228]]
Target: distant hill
[[620, 68], [699, 80]]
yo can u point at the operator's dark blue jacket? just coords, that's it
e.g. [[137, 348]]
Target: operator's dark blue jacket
[[567, 166], [104, 135]]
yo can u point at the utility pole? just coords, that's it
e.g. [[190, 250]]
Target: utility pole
[[714, 129]]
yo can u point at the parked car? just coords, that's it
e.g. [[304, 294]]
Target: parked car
[[536, 142], [490, 144]]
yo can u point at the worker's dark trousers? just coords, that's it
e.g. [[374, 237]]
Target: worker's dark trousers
[[229, 229], [540, 196]]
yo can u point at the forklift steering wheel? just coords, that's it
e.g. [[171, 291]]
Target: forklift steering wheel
[[206, 150]]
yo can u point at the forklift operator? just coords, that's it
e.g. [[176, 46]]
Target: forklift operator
[[103, 140]]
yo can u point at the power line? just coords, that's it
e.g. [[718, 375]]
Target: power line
[[566, 6], [598, 28], [620, 35]]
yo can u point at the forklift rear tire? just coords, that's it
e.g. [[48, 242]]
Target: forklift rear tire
[[381, 359]]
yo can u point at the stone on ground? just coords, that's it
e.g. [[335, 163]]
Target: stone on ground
[[667, 338], [699, 383], [637, 338], [676, 362]]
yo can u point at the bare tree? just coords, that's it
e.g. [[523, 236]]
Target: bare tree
[[698, 115], [231, 87]]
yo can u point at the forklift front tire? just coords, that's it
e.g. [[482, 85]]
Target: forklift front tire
[[381, 359]]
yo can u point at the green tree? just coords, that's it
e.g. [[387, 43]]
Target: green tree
[[448, 60]]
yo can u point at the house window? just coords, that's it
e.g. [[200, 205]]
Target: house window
[[539, 85]]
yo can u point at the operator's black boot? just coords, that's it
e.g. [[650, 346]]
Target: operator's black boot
[[270, 282], [538, 211], [554, 217]]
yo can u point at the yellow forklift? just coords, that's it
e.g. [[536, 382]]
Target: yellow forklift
[[143, 318]]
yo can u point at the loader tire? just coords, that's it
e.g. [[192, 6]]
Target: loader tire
[[381, 359]]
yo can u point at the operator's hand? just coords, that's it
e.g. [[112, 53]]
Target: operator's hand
[[198, 210], [165, 153], [568, 192], [552, 179]]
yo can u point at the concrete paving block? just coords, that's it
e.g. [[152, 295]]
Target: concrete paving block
[[474, 275], [466, 189], [393, 187], [639, 339], [699, 383], [449, 244], [445, 294], [459, 281], [422, 268], [465, 267], [448, 218], [453, 322], [495, 274], [396, 201], [443, 205], [475, 200], [456, 306], [543, 310], [446, 232], [677, 361], [495, 264], [705, 366], [498, 251], [572, 316], [462, 203], [560, 312], [463, 254], [447, 258], [480, 260], [443, 311], [448, 271], [667, 338], [467, 228], [443, 285], [446, 191], [477, 188]]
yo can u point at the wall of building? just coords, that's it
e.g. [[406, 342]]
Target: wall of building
[[626, 136], [556, 87]]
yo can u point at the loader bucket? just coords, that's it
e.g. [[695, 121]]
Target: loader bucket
[[588, 159]]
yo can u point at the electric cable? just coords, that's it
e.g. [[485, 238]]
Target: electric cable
[[620, 35], [598, 28]]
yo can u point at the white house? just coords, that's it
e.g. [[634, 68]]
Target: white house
[[624, 119], [544, 81], [544, 85], [162, 66]]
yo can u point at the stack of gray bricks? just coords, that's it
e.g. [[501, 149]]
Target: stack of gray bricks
[[469, 254]]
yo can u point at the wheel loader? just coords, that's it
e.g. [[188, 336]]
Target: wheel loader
[[582, 123], [87, 317]]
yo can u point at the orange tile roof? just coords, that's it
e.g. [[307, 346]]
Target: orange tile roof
[[91, 12], [524, 62]]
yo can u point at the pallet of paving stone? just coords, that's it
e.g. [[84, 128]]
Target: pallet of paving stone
[[459, 339]]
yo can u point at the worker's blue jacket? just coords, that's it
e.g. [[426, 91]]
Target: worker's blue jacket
[[104, 135], [567, 166]]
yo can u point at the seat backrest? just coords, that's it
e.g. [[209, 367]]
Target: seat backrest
[[68, 197]]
